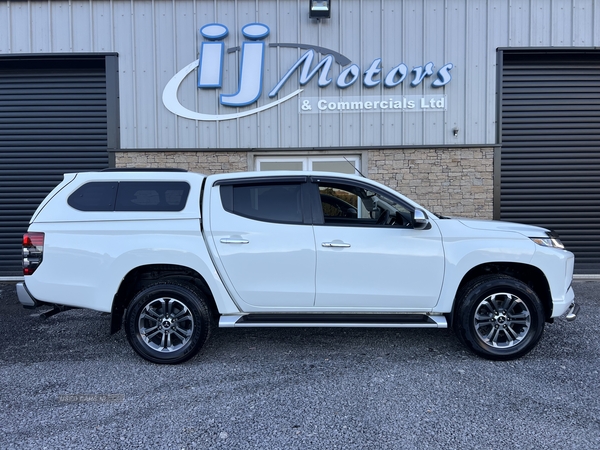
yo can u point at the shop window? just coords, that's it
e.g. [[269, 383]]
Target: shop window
[[339, 164]]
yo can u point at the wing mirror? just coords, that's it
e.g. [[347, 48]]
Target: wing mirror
[[420, 220]]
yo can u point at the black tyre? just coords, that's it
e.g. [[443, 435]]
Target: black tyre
[[499, 317], [168, 323]]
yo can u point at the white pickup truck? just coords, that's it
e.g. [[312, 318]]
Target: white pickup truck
[[172, 254]]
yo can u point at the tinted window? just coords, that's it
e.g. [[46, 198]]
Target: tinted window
[[152, 196], [96, 196], [268, 202], [130, 196], [356, 205]]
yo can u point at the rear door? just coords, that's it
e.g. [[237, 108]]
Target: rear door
[[262, 235]]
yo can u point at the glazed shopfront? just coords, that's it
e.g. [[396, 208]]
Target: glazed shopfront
[[487, 109]]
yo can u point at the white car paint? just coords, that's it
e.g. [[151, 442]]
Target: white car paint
[[283, 268]]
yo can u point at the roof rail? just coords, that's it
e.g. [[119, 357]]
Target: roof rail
[[143, 169]]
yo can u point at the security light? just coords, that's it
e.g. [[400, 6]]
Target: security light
[[319, 9]]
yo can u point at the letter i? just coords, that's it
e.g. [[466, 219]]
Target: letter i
[[210, 65]]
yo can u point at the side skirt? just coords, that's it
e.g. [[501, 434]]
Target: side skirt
[[334, 320]]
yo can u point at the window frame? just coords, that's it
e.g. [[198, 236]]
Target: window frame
[[301, 181], [317, 209]]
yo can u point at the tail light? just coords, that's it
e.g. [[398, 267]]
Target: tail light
[[33, 250]]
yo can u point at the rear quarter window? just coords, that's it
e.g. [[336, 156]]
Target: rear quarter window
[[152, 196], [130, 196], [94, 196]]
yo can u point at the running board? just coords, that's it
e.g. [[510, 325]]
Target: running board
[[333, 320]]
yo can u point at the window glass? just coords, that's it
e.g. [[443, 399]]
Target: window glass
[[343, 166], [281, 165], [152, 195], [130, 196], [95, 196], [268, 202], [354, 205], [340, 164]]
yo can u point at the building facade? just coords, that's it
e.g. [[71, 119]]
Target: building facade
[[482, 108]]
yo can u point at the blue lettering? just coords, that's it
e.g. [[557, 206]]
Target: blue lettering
[[421, 73], [371, 72], [251, 68], [352, 72], [400, 72], [444, 76], [306, 74], [210, 65]]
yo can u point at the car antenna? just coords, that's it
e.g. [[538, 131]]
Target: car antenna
[[355, 168]]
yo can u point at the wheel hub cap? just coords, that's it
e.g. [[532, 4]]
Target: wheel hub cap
[[502, 320], [166, 324]]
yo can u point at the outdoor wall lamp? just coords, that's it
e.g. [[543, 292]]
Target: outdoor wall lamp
[[455, 132], [319, 9]]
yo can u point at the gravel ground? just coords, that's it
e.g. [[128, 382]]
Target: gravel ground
[[67, 383]]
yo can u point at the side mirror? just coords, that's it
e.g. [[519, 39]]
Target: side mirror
[[420, 220]]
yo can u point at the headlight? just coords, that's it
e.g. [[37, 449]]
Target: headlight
[[551, 240]]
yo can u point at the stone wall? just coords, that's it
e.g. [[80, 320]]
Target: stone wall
[[202, 162], [454, 182]]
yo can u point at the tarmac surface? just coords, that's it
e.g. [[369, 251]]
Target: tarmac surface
[[67, 383]]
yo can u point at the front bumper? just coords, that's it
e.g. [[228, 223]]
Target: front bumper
[[572, 312]]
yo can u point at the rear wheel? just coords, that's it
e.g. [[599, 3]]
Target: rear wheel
[[168, 323], [499, 317]]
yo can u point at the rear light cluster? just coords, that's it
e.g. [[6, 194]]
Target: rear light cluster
[[33, 250]]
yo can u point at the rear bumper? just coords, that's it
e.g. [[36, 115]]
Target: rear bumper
[[25, 297]]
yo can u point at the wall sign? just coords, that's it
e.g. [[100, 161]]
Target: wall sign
[[209, 68], [406, 103]]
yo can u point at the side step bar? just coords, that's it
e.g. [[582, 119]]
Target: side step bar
[[333, 320]]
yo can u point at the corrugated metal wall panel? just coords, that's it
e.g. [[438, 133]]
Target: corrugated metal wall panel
[[561, 23], [550, 163], [53, 119], [434, 48], [156, 38], [455, 43]]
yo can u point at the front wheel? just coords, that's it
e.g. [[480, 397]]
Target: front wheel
[[499, 317], [168, 323]]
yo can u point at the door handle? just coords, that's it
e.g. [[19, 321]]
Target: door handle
[[234, 241], [335, 244]]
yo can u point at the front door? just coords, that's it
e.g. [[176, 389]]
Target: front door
[[369, 256]]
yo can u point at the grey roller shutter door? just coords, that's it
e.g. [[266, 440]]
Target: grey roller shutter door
[[53, 120], [550, 157]]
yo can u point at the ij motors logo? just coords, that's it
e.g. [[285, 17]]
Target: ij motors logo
[[210, 66]]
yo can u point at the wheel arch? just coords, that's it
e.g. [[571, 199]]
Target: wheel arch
[[143, 276], [530, 275]]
